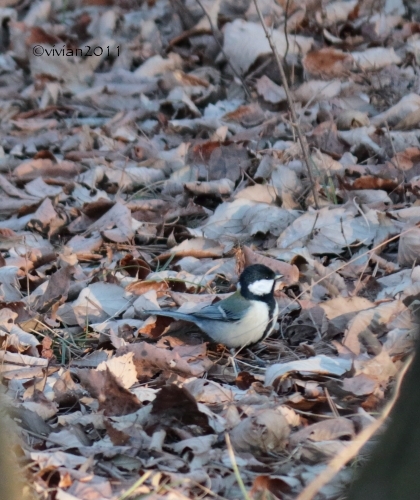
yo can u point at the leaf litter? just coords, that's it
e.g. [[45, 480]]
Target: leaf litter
[[150, 174]]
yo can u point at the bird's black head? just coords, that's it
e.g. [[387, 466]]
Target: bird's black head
[[257, 282]]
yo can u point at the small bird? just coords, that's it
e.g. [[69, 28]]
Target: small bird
[[245, 318]]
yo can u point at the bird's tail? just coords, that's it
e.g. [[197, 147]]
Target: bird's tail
[[169, 314]]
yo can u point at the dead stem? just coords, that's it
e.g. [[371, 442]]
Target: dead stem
[[291, 106]]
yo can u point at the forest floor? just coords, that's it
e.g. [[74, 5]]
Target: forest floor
[[149, 151]]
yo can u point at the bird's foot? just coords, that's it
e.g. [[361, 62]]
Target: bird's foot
[[259, 361]]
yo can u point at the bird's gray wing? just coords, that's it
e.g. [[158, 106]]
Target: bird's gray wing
[[231, 309]]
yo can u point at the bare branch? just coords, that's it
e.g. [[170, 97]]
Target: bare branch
[[291, 105], [232, 67]]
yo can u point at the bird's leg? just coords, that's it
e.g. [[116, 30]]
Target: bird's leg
[[233, 362]]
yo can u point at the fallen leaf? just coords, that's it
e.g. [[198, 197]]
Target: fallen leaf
[[264, 432]]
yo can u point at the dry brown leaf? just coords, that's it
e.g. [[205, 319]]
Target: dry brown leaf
[[98, 302], [335, 12], [224, 160], [379, 368], [360, 385], [325, 164], [113, 398], [209, 392], [39, 404], [175, 405], [328, 231], [248, 115], [123, 369], [407, 158], [334, 428], [317, 90], [395, 114], [243, 217], [142, 287], [222, 187], [375, 58], [369, 182], [275, 485], [200, 248], [157, 65], [115, 225], [244, 42], [56, 291], [45, 167], [319, 364], [136, 268], [373, 319], [409, 122], [409, 247], [150, 359], [263, 432], [349, 119], [259, 193], [327, 63], [270, 91]]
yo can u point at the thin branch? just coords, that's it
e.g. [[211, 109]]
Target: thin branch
[[138, 483], [232, 67], [340, 460], [290, 103], [235, 468], [286, 19]]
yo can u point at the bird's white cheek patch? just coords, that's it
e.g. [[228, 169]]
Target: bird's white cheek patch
[[261, 287]]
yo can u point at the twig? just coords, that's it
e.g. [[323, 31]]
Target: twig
[[290, 103], [138, 483], [45, 438], [286, 19], [331, 403], [111, 471], [340, 460], [235, 468], [214, 32]]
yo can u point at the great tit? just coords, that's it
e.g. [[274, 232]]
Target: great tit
[[245, 318]]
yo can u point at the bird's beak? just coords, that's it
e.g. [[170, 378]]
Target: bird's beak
[[278, 276]]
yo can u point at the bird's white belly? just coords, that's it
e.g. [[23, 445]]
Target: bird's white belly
[[248, 330]]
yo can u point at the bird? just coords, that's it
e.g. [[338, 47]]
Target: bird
[[243, 319]]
